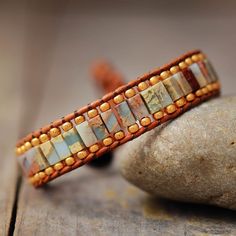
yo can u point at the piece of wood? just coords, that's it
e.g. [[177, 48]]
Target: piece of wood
[[92, 202]]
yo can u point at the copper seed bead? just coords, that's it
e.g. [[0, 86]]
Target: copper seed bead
[[94, 148], [23, 150], [54, 132], [107, 141], [174, 69], [154, 80], [70, 161], [182, 65], [49, 171], [118, 99], [43, 138], [67, 126], [58, 166], [195, 58], [82, 154], [201, 56], [158, 115], [181, 102], [79, 119], [133, 128], [119, 135], [142, 86], [171, 109], [92, 113], [190, 97], [129, 93], [37, 177], [28, 145], [188, 61], [199, 93], [165, 74], [205, 90], [18, 151], [105, 106], [145, 121], [209, 87], [42, 175], [35, 142]]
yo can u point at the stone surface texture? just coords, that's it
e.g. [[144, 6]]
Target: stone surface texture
[[191, 159]]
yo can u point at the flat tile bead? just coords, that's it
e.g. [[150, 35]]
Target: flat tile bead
[[98, 127], [110, 121], [189, 76], [183, 83], [151, 100], [24, 163], [205, 72], [162, 94], [211, 70], [86, 133], [49, 152], [173, 88], [138, 107], [125, 114], [198, 75], [38, 161], [61, 147], [73, 140]]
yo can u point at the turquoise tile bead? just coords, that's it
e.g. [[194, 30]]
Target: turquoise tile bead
[[49, 152], [110, 121], [98, 127], [61, 147], [73, 140]]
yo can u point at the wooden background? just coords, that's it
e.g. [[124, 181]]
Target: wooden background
[[46, 51]]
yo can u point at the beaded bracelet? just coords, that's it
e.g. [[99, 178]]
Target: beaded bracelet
[[117, 118]]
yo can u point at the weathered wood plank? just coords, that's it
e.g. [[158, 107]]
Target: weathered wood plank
[[90, 202]]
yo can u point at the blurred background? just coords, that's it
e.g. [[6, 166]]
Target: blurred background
[[47, 48]]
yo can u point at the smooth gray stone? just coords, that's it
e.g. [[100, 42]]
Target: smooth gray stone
[[191, 159]]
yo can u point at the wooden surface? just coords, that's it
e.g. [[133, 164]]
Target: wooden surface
[[45, 54]]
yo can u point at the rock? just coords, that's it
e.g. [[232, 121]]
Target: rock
[[190, 159]]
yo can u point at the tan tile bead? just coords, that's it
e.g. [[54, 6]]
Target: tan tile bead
[[118, 99], [180, 102], [49, 171], [94, 148], [158, 115], [145, 121], [133, 128], [92, 113], [79, 119], [171, 109], [67, 126], [69, 161], [142, 86], [54, 132], [82, 154], [35, 142], [190, 97], [107, 141], [105, 106], [119, 135], [58, 166]]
